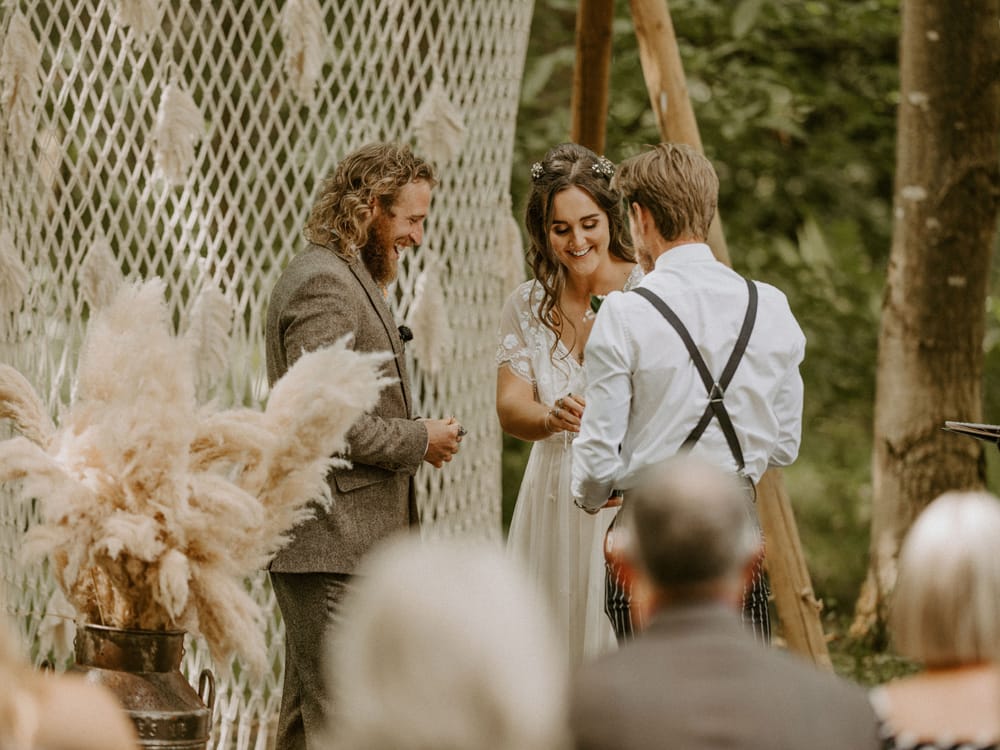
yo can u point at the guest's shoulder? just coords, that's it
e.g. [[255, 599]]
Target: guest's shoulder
[[797, 671]]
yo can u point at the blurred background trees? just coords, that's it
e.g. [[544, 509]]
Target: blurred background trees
[[796, 104]]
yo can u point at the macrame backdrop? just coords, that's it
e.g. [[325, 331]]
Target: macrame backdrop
[[184, 139]]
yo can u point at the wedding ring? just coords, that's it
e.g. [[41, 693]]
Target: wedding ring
[[559, 402], [557, 414]]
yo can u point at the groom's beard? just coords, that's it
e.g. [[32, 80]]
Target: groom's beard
[[379, 254], [644, 259]]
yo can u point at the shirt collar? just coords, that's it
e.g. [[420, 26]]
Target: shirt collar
[[693, 252]]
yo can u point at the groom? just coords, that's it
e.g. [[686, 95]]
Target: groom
[[695, 358]]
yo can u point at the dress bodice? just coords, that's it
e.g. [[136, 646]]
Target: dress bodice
[[531, 350]]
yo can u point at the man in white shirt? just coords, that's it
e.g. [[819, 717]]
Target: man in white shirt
[[647, 398]]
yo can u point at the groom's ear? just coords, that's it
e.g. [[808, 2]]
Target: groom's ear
[[639, 216]]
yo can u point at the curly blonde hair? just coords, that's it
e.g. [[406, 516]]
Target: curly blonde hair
[[342, 212]]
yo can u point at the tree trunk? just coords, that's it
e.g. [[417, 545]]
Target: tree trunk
[[589, 105], [946, 196]]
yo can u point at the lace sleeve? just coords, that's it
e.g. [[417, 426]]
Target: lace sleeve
[[514, 340], [633, 279]]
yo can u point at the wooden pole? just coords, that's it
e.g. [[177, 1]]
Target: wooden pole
[[794, 598], [664, 73], [791, 587], [591, 73]]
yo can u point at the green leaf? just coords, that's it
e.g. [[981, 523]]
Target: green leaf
[[745, 16]]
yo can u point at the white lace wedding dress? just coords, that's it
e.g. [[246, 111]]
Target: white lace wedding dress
[[561, 546]]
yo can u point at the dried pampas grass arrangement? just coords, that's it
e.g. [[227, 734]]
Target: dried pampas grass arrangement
[[157, 507]]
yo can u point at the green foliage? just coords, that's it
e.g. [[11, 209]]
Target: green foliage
[[857, 661], [796, 107]]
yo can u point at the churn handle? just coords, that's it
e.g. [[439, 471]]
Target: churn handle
[[206, 688]]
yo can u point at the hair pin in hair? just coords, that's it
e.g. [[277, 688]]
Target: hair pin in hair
[[603, 166], [537, 170]]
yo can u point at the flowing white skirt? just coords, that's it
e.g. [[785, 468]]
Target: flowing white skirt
[[562, 548]]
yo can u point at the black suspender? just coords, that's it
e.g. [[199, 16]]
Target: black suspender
[[716, 388]]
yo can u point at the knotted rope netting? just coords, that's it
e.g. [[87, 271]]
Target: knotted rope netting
[[185, 140]]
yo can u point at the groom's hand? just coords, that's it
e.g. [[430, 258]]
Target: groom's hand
[[614, 501]]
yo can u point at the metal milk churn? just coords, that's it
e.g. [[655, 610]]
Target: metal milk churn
[[142, 668]]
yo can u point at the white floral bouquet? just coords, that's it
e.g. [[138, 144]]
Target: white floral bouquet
[[155, 506]]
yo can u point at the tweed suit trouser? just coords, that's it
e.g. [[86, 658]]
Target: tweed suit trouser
[[309, 604]]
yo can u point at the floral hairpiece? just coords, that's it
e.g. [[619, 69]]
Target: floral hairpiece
[[603, 166], [537, 170]]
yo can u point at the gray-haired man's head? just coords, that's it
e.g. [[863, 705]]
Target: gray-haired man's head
[[691, 524]]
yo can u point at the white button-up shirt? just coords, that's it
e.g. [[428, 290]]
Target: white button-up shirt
[[644, 395]]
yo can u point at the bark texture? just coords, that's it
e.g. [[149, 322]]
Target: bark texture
[[930, 357]]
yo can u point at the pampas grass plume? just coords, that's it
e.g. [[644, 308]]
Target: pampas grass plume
[[20, 74], [347, 383], [438, 126], [141, 16], [100, 275], [303, 32], [155, 508], [428, 317], [208, 335], [20, 403], [179, 127], [14, 278]]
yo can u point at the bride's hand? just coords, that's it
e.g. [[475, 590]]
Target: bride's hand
[[566, 413], [573, 403]]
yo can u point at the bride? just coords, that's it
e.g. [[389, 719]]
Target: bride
[[580, 249]]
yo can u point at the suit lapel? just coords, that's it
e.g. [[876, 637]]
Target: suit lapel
[[381, 306]]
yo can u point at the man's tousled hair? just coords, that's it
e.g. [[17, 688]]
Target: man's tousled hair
[[342, 212], [678, 186]]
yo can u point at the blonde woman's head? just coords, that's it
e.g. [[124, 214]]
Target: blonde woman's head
[[445, 645], [946, 606]]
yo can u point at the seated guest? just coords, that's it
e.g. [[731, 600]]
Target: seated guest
[[945, 613], [49, 711], [445, 645], [695, 677]]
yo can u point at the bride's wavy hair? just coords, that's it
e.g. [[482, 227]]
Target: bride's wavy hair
[[564, 166], [342, 212]]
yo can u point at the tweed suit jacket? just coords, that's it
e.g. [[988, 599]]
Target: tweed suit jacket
[[694, 679], [319, 298]]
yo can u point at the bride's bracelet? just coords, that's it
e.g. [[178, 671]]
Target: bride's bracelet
[[545, 423]]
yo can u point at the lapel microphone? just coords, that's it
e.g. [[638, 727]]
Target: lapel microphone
[[405, 334]]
